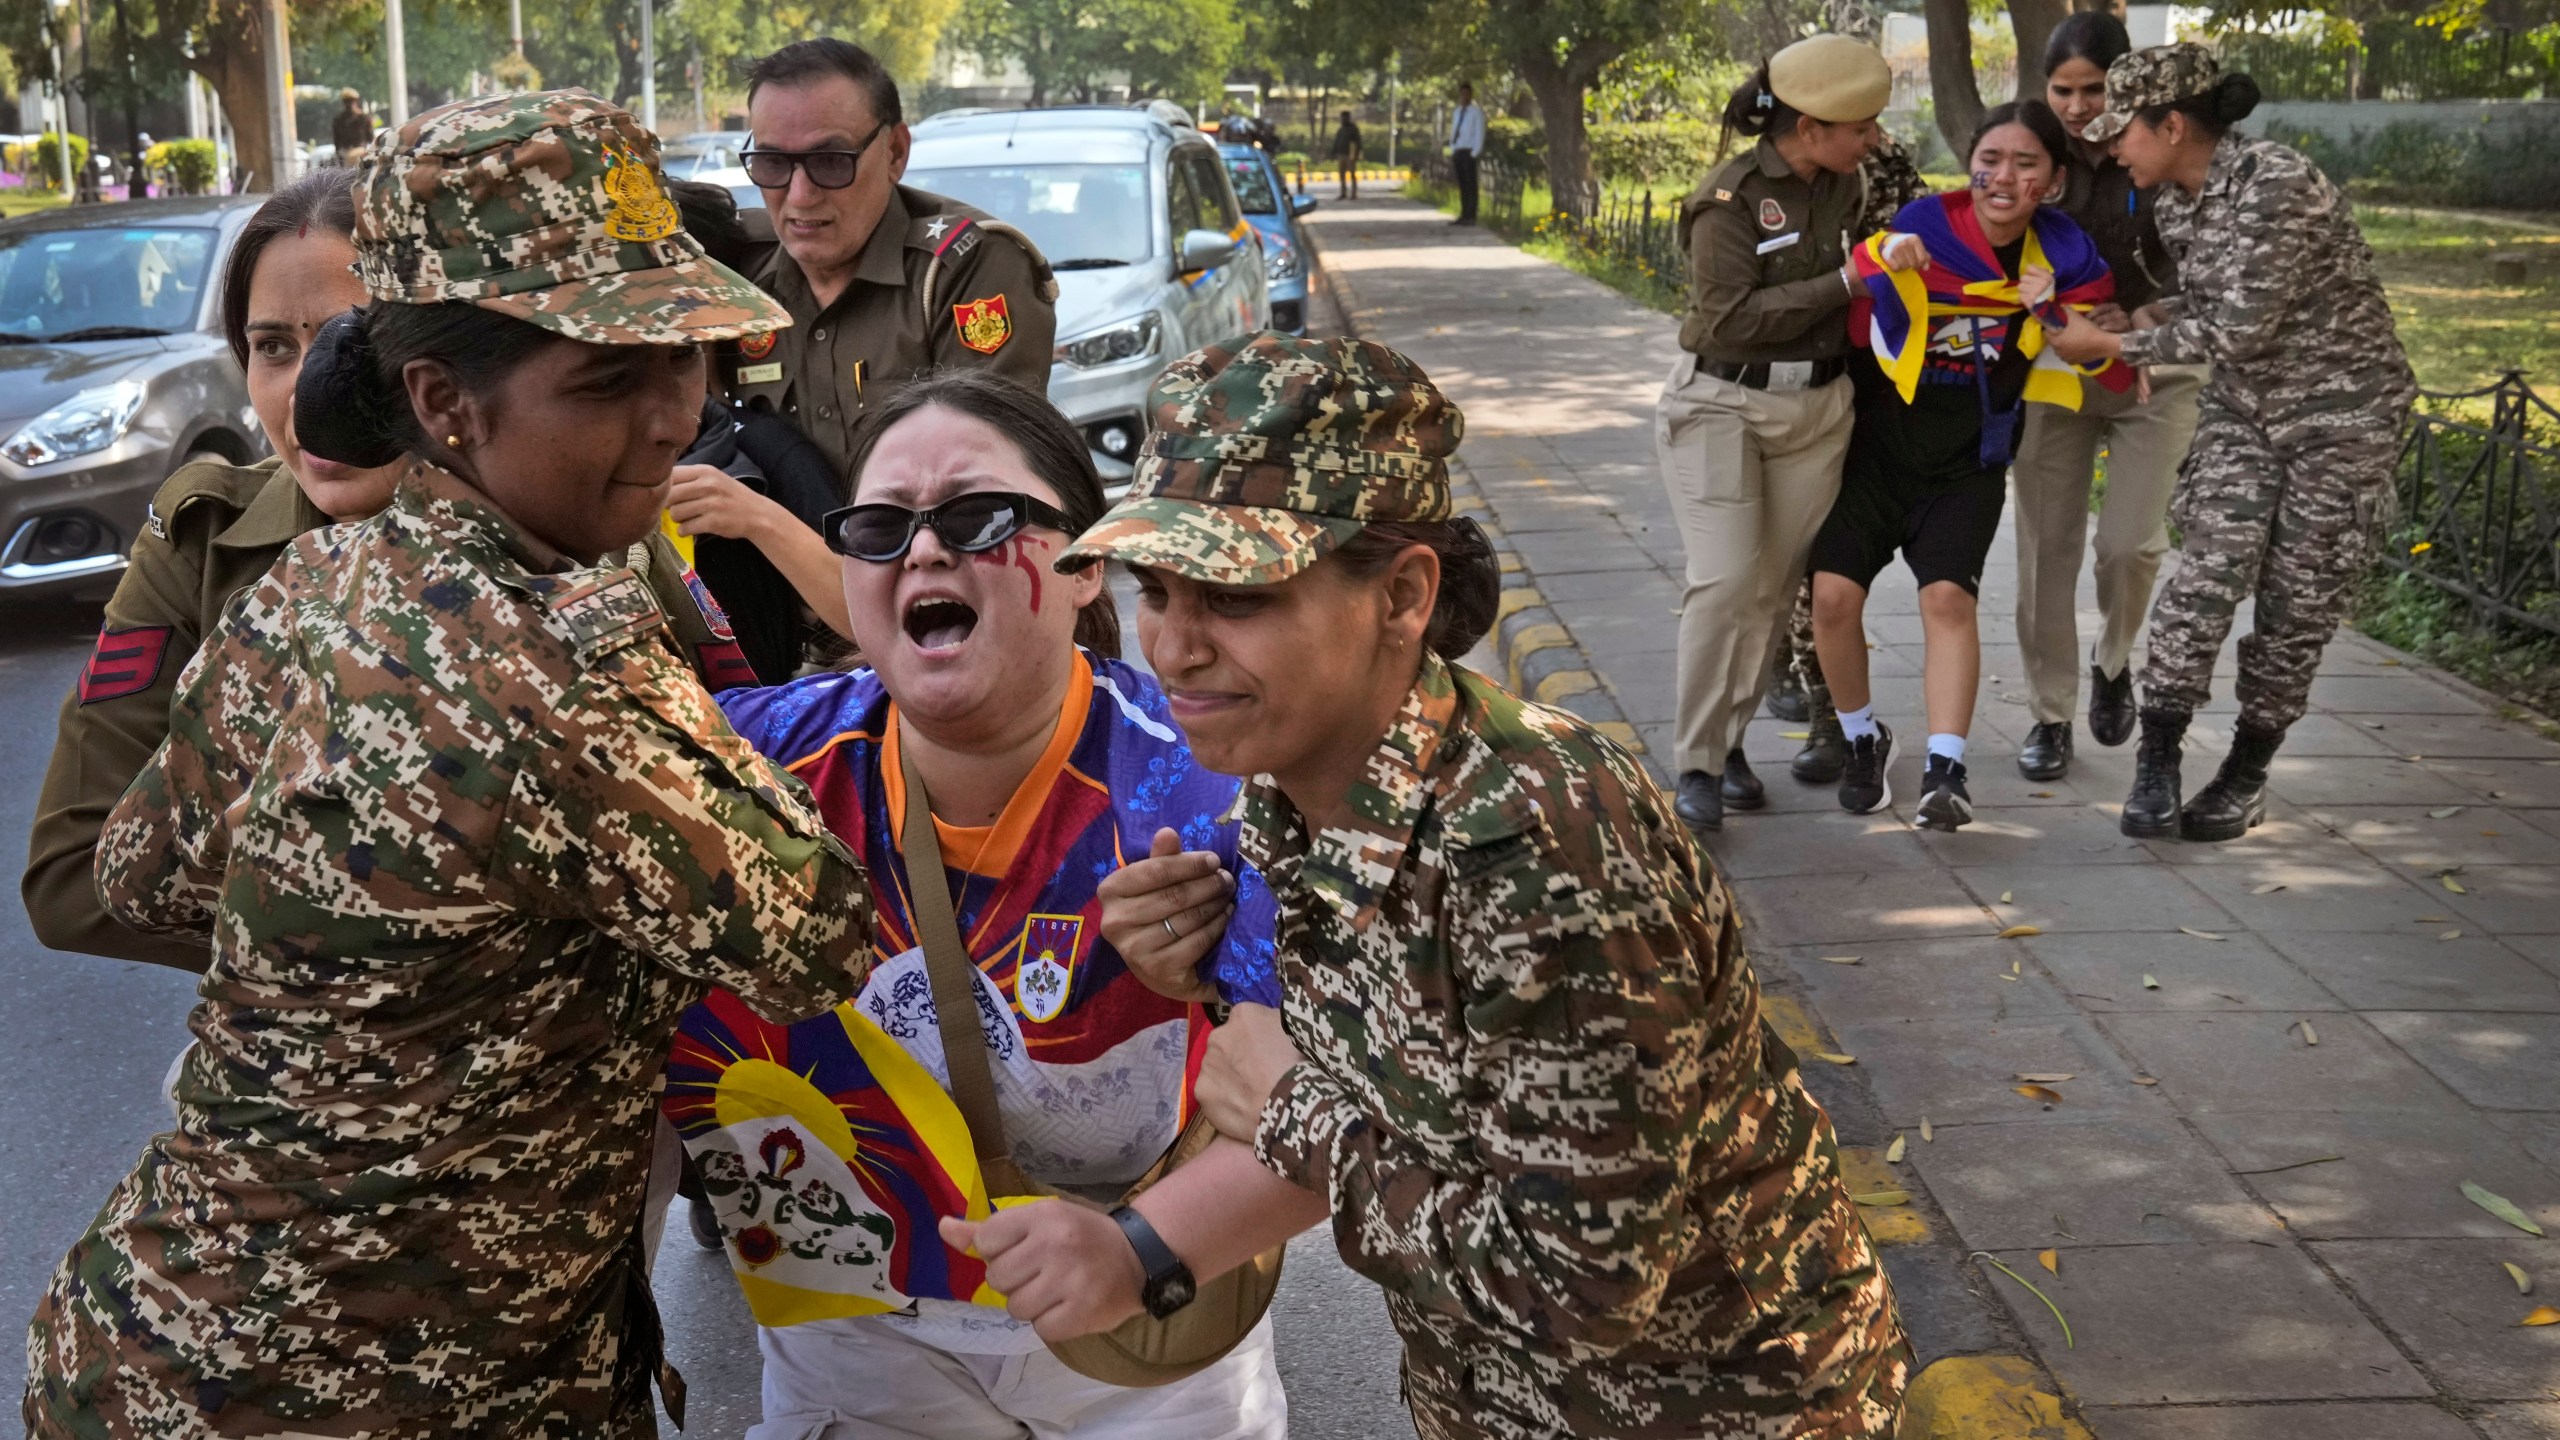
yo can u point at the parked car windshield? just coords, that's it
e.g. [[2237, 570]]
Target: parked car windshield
[[1253, 186], [101, 284], [689, 157], [1082, 217]]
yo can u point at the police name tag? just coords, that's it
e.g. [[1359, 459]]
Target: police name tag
[[1778, 242], [759, 374]]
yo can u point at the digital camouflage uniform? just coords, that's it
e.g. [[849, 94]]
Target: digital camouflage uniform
[[1537, 1086], [2289, 477], [215, 529], [495, 837], [1892, 182]]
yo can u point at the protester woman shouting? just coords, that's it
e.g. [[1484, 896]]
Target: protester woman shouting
[[1522, 1054], [2290, 474], [467, 834]]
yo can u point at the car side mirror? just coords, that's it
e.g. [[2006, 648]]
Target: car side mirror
[[1205, 250], [1301, 204]]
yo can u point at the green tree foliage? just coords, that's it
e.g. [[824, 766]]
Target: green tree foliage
[[1074, 50]]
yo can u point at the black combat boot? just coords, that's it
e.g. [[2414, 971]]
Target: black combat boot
[[2236, 801], [1786, 693], [2151, 811], [1825, 753]]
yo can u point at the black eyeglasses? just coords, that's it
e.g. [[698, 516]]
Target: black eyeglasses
[[970, 524], [827, 169]]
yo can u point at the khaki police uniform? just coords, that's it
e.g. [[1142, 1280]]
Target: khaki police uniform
[[939, 283], [215, 529], [1753, 424]]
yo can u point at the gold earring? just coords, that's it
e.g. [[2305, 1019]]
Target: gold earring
[[454, 440]]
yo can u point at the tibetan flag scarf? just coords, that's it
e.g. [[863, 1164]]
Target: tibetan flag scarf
[[1963, 281]]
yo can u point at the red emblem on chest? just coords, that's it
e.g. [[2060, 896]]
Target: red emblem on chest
[[756, 347], [124, 662], [1773, 216]]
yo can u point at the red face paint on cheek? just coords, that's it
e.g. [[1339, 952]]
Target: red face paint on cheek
[[1015, 552]]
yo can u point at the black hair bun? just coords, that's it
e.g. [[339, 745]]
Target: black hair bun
[[343, 407], [2234, 97]]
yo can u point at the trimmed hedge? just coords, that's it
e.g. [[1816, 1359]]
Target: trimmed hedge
[[1643, 152]]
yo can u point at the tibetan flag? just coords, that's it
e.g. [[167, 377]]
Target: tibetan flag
[[1900, 311]]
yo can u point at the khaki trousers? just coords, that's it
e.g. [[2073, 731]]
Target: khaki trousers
[[2057, 459], [1752, 474]]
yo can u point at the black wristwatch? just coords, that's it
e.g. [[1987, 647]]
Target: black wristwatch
[[1169, 1285]]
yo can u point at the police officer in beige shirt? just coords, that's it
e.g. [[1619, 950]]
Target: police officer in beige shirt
[[1754, 421], [882, 281]]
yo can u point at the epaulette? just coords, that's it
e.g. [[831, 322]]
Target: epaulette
[[605, 613], [206, 481], [950, 239]]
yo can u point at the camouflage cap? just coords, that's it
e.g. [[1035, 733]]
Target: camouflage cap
[[1268, 451], [545, 206], [2161, 75]]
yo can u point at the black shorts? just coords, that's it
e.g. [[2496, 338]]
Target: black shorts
[[1943, 528]]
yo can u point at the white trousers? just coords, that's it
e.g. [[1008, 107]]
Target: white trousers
[[861, 1380]]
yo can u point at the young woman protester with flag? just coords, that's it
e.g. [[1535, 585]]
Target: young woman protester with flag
[[1956, 356]]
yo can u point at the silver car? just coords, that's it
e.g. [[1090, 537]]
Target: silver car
[[113, 373], [1134, 209]]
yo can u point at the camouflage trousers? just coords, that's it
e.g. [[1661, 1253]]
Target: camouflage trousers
[[1795, 654], [2291, 526]]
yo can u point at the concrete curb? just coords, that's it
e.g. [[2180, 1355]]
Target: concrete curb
[[1976, 1381]]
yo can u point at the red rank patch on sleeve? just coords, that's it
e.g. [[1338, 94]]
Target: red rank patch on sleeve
[[124, 662]]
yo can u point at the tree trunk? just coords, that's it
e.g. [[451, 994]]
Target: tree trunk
[[1560, 86], [1951, 87], [2033, 21], [233, 59]]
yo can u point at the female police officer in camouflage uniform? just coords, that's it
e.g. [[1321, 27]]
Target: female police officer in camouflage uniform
[[1754, 420], [2299, 424], [1523, 1055], [467, 834]]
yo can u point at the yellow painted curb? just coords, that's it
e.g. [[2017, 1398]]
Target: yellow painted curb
[[1792, 1023], [1531, 640], [1564, 685], [1865, 1172], [1509, 563], [1517, 599], [1985, 1397]]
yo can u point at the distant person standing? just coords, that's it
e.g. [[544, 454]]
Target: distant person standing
[[1346, 159], [1466, 147], [2298, 428], [883, 282], [350, 129]]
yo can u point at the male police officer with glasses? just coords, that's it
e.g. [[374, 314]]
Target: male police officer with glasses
[[883, 282]]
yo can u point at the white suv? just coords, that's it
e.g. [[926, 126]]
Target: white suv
[[1133, 207]]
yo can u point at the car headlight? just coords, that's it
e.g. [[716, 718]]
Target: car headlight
[[84, 424], [1125, 341], [1280, 262]]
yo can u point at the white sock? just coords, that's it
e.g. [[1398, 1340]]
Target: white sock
[[1858, 724], [1951, 746]]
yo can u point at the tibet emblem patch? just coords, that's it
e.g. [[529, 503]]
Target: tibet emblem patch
[[1046, 973]]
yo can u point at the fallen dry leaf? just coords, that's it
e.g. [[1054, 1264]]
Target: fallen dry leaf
[[2012, 979], [2041, 1079], [1835, 1057], [1928, 1136], [2447, 813], [2150, 982], [2038, 1092], [2491, 834], [2448, 882], [2019, 932], [2542, 1315], [2500, 1206], [2269, 888], [2515, 1272], [2040, 794], [1893, 1152], [2431, 920], [2051, 1260], [2309, 1035], [1841, 959], [2008, 897], [2453, 934], [1884, 1197], [2199, 934], [2144, 1080], [2014, 968]]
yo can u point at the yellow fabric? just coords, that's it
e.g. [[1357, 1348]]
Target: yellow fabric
[[2050, 380]]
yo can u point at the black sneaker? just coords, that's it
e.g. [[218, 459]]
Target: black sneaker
[[1944, 805], [1864, 790]]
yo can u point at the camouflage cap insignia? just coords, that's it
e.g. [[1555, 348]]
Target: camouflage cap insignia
[[984, 325], [642, 214]]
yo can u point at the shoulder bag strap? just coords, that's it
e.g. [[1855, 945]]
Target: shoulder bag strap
[[953, 973]]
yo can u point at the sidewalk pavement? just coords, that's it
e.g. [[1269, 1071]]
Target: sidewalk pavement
[[2285, 1055]]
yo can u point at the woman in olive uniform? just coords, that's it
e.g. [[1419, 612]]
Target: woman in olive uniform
[[2289, 477], [215, 529], [1754, 421], [466, 834], [1521, 1051]]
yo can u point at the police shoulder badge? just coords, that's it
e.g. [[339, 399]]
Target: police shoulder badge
[[124, 662], [642, 214], [984, 325], [1046, 971], [756, 347], [1773, 216]]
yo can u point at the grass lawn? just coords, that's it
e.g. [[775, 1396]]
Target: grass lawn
[[26, 202], [2461, 329]]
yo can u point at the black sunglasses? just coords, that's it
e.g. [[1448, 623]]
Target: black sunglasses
[[970, 524], [827, 169]]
